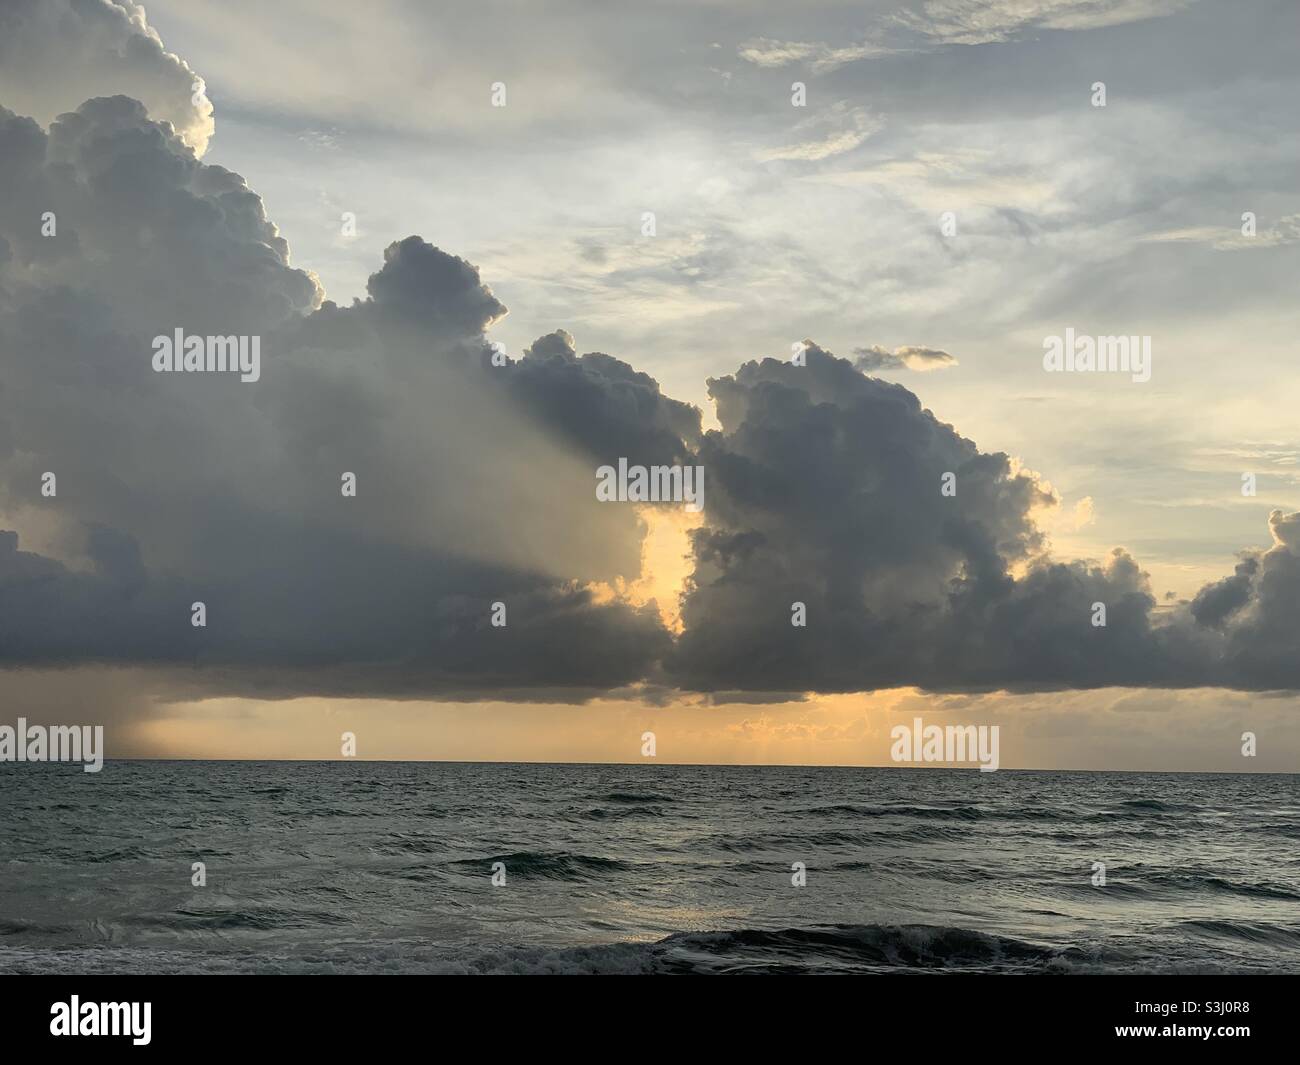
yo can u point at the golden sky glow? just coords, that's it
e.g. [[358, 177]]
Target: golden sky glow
[[1118, 729]]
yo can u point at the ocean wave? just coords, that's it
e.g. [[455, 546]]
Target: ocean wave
[[944, 813], [857, 947], [957, 812], [1217, 884], [1287, 830], [399, 844], [817, 949], [555, 865], [10, 926], [634, 797], [234, 920], [599, 813], [940, 832], [1273, 935], [1157, 805], [123, 854], [1116, 888]]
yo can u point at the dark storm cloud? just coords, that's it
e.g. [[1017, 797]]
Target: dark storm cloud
[[476, 485], [825, 491], [423, 285], [1262, 648], [601, 404], [1216, 602], [180, 488], [201, 247]]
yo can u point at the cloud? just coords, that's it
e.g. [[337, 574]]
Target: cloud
[[476, 481], [988, 21], [602, 405], [1286, 230], [956, 22], [845, 128], [427, 287], [476, 485], [1258, 609], [1085, 513], [201, 249], [826, 491], [103, 49], [818, 55], [1215, 603], [874, 358]]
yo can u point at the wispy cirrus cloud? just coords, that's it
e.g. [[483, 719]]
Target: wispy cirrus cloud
[[819, 56], [1285, 230], [837, 130], [991, 21]]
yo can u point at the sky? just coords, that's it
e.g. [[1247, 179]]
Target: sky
[[670, 201]]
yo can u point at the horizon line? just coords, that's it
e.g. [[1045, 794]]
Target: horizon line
[[973, 767]]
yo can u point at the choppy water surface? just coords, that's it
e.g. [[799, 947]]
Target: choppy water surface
[[386, 867]]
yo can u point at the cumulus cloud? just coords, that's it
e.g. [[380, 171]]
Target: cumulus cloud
[[826, 492], [1260, 621], [423, 285], [103, 48], [173, 489], [1215, 603], [476, 479]]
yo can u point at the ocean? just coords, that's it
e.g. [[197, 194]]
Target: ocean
[[387, 867]]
